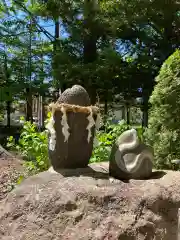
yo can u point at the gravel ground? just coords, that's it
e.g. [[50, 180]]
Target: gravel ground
[[10, 170]]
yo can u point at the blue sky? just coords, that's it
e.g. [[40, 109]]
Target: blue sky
[[47, 25]]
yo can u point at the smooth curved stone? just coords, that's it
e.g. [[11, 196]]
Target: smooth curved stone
[[130, 159]]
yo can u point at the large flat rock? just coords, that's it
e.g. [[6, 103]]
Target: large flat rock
[[86, 204]]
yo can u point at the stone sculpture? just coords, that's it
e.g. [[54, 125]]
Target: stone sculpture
[[71, 129], [130, 159]]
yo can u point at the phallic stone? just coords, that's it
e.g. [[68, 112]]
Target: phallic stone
[[70, 142], [130, 159]]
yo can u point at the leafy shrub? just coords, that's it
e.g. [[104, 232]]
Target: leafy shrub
[[163, 132], [107, 138], [32, 145], [1, 117]]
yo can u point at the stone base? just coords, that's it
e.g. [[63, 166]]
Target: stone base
[[86, 204]]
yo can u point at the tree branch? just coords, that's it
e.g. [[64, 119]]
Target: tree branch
[[46, 33]]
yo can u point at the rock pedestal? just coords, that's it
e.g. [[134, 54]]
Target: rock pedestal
[[130, 159], [71, 129], [82, 204]]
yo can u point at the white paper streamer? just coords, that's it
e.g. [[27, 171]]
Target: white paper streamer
[[98, 121], [90, 125], [65, 125], [50, 128]]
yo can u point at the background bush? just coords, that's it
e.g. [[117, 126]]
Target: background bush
[[163, 132], [105, 140], [33, 146]]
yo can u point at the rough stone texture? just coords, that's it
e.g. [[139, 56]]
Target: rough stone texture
[[77, 151], [76, 95], [129, 158], [85, 204]]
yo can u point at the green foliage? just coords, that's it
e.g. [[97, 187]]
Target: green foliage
[[163, 133], [1, 117], [108, 48], [33, 147], [107, 138]]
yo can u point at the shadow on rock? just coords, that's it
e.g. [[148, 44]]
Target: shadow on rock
[[87, 172], [158, 174]]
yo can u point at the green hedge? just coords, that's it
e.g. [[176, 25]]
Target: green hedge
[[163, 132]]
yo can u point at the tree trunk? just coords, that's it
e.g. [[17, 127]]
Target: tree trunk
[[56, 31], [92, 93], [29, 112], [43, 111], [55, 49], [90, 55], [145, 117], [90, 40], [128, 114], [90, 50], [123, 113], [105, 108], [29, 116], [145, 107]]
